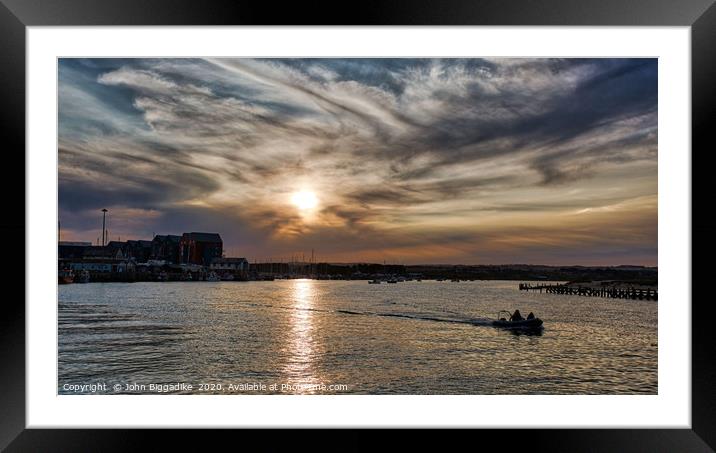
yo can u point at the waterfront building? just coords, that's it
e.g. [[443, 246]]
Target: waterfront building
[[200, 248], [114, 246], [71, 250], [103, 266], [102, 259], [140, 250], [166, 248], [230, 264]]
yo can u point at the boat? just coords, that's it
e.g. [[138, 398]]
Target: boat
[[65, 276], [212, 277], [84, 277], [374, 282], [525, 324], [392, 280], [227, 277]]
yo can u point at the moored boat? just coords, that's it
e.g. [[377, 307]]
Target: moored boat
[[65, 276]]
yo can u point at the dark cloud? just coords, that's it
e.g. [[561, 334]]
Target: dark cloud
[[483, 125], [98, 181]]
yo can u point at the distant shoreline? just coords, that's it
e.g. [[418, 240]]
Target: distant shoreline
[[630, 275]]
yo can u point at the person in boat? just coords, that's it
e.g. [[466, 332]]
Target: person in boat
[[531, 316], [516, 316]]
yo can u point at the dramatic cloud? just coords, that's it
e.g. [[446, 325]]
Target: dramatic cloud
[[412, 160]]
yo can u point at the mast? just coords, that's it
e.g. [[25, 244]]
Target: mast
[[104, 215]]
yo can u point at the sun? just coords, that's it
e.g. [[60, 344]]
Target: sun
[[304, 200]]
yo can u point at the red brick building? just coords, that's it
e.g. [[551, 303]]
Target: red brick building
[[200, 248]]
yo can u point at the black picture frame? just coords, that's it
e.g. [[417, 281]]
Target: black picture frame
[[16, 15]]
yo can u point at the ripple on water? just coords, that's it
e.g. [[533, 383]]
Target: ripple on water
[[410, 338]]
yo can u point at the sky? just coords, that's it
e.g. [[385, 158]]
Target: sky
[[412, 161]]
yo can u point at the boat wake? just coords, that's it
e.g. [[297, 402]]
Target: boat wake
[[449, 317], [455, 319]]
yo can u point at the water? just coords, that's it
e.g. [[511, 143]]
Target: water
[[303, 336]]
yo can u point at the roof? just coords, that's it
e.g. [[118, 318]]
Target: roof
[[204, 237], [101, 252], [167, 237], [140, 243], [74, 244]]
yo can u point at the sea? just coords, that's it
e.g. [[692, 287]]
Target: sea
[[306, 336]]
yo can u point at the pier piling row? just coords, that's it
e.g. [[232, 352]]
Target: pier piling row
[[614, 293]]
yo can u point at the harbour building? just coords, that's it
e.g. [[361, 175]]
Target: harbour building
[[200, 248]]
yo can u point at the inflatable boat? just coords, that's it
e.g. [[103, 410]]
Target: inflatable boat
[[505, 323]]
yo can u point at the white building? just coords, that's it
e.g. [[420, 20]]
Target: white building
[[103, 266], [229, 264], [102, 259]]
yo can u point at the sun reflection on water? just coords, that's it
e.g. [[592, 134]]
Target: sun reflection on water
[[300, 368]]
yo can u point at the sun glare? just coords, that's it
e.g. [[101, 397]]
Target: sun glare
[[304, 200]]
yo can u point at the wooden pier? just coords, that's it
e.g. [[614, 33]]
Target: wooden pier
[[594, 291]]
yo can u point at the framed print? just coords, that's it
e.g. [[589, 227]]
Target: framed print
[[424, 217]]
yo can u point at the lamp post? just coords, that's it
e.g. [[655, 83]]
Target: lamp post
[[104, 214]]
